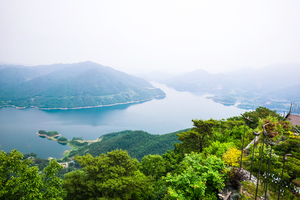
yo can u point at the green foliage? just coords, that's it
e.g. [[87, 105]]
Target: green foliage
[[237, 135], [40, 163], [217, 148], [27, 155], [52, 133], [198, 137], [175, 174], [77, 138], [61, 174], [261, 113], [274, 124], [137, 143], [62, 139], [19, 181], [76, 143], [153, 165], [292, 168], [111, 176], [173, 158], [231, 131], [198, 178], [42, 132], [290, 146]]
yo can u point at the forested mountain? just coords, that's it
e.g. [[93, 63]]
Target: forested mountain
[[137, 143], [84, 84], [273, 86]]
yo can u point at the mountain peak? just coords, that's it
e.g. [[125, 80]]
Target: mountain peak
[[79, 85]]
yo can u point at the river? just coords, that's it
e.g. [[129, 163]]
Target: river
[[158, 116]]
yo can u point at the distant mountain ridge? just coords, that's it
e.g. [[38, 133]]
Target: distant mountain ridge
[[273, 86], [64, 86]]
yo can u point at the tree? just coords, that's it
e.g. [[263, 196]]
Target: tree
[[52, 133], [153, 165], [289, 146], [42, 132], [260, 113], [62, 139], [19, 181], [173, 158], [198, 178], [198, 137], [111, 176], [217, 148], [224, 132]]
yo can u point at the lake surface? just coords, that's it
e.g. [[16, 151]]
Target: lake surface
[[18, 127]]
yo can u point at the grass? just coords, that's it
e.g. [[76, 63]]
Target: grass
[[249, 190]]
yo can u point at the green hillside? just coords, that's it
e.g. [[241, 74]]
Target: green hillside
[[137, 143], [72, 85]]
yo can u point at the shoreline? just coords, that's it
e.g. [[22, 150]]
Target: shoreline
[[67, 142], [81, 141], [84, 107]]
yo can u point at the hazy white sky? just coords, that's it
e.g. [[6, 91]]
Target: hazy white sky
[[143, 36]]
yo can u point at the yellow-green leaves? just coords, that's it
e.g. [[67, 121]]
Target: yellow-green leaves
[[231, 157]]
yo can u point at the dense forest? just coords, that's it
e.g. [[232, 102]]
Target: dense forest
[[204, 162], [137, 143]]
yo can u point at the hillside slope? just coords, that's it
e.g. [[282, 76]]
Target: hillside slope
[[137, 143], [85, 84]]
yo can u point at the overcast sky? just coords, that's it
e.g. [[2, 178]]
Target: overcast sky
[[143, 36]]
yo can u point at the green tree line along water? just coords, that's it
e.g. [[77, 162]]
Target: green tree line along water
[[197, 163]]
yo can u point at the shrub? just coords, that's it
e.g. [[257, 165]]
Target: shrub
[[231, 157]]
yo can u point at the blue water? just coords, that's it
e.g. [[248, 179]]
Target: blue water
[[18, 127]]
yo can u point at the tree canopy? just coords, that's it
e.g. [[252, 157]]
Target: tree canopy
[[198, 178], [114, 175], [20, 181], [198, 137]]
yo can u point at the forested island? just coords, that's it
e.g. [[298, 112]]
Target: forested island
[[52, 135], [49, 134], [210, 160]]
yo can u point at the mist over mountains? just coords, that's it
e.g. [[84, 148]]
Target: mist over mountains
[[84, 84], [273, 86]]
